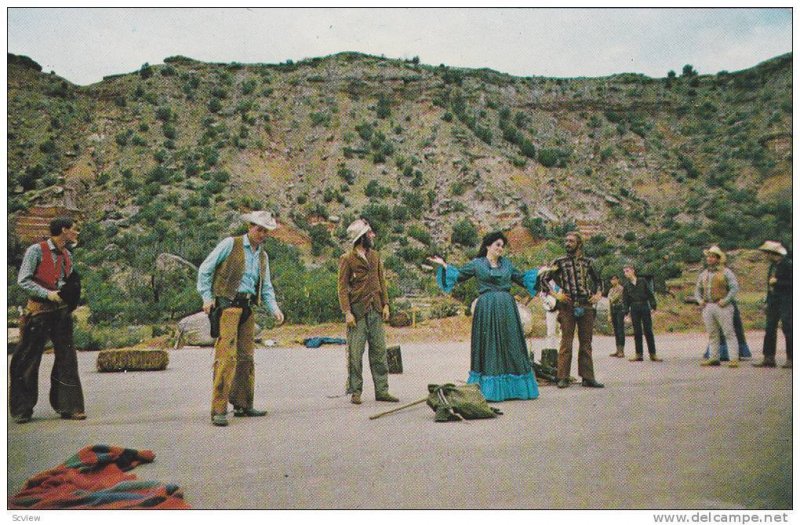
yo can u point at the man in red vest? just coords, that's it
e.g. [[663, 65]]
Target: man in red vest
[[46, 267]]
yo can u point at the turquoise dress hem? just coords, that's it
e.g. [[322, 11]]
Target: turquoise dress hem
[[505, 386]]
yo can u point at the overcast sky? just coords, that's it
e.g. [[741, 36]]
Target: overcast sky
[[83, 45]]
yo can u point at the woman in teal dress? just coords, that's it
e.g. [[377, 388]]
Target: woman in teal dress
[[499, 362]]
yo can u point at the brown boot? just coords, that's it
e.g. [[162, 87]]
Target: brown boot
[[620, 352]]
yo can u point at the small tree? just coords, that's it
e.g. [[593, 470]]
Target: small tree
[[146, 71], [320, 238], [465, 233], [383, 109]]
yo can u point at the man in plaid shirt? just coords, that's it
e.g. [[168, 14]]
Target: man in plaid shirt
[[581, 288]]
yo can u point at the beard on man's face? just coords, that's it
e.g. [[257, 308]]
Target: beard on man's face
[[366, 242]]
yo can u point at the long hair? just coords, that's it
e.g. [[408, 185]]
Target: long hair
[[489, 240]]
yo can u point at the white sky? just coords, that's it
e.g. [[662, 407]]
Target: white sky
[[84, 44]]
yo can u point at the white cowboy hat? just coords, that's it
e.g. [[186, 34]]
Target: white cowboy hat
[[358, 228], [773, 247], [716, 250], [261, 218]]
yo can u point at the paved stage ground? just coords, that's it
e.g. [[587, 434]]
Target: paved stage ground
[[660, 435]]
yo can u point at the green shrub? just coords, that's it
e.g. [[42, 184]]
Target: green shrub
[[320, 239], [383, 108], [414, 202], [145, 71], [379, 217], [548, 157], [444, 308], [421, 234], [347, 174], [164, 113], [536, 226], [47, 146], [320, 118], [122, 137], [465, 233], [85, 339]]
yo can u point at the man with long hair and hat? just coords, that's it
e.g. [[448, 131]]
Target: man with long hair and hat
[[232, 281], [715, 291], [778, 303], [45, 275], [364, 300]]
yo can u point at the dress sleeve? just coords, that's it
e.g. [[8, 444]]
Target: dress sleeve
[[528, 280], [447, 277]]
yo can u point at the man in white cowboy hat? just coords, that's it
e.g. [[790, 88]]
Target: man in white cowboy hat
[[233, 280], [715, 290], [364, 300], [779, 302]]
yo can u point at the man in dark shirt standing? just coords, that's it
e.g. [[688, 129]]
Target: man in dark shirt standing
[[639, 300], [779, 303], [581, 289], [364, 300]]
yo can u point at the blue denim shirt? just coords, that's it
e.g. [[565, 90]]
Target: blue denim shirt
[[205, 275]]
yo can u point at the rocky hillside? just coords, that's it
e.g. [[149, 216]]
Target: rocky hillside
[[164, 158]]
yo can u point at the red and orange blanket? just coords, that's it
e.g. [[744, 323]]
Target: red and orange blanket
[[95, 478]]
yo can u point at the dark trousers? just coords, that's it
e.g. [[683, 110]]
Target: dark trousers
[[642, 326], [779, 308], [66, 395], [584, 323], [618, 324]]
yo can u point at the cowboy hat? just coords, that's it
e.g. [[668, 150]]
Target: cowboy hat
[[716, 250], [261, 218], [356, 229], [773, 247]]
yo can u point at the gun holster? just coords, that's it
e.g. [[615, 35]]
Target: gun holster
[[220, 304], [214, 317]]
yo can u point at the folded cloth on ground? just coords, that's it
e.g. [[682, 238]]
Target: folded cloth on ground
[[95, 478], [316, 342]]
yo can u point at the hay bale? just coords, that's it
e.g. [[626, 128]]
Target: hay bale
[[130, 359]]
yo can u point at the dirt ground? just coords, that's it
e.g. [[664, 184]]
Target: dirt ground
[[669, 435]]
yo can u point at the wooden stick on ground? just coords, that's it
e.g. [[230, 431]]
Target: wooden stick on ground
[[417, 402]]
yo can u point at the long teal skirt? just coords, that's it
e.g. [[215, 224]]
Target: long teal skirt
[[500, 364]]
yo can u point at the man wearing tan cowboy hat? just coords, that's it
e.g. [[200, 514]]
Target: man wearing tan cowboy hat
[[233, 280], [779, 302], [364, 301], [715, 290]]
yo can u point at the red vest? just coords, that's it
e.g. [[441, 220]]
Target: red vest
[[47, 273]]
